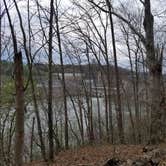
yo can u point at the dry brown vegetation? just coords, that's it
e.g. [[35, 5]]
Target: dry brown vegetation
[[94, 155], [99, 155]]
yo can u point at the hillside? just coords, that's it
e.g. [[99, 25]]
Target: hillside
[[105, 155]]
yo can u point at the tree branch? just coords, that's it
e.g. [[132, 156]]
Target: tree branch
[[142, 38], [142, 2]]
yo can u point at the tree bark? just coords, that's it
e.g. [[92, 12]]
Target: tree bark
[[155, 73], [0, 68], [19, 86], [50, 113], [19, 137], [0, 52], [32, 137]]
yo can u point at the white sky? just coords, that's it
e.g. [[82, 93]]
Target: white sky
[[158, 6]]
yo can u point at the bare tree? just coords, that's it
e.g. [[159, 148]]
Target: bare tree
[[19, 85], [30, 61], [154, 62], [119, 108], [50, 62], [63, 76], [154, 58]]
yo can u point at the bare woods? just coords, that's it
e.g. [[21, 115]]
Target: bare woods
[[75, 73]]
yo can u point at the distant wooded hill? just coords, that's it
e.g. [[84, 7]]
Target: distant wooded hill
[[8, 68]]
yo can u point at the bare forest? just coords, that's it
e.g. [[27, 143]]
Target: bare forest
[[82, 82]]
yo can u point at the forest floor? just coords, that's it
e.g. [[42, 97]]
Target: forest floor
[[96, 155]]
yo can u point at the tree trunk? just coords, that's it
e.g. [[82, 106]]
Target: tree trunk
[[81, 118], [29, 63], [154, 63], [89, 99], [0, 70], [50, 113], [19, 85], [118, 105], [108, 75], [0, 53], [63, 78], [32, 137]]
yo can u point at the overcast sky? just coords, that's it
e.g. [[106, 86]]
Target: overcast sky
[[158, 8]]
